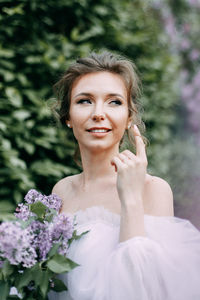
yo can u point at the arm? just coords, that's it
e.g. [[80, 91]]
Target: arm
[[158, 197], [132, 220], [159, 194], [131, 174]]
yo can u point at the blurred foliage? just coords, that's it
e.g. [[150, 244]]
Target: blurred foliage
[[38, 40], [181, 21]]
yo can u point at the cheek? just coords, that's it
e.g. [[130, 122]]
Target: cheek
[[77, 117], [121, 119]]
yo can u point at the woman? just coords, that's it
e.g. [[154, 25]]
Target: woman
[[136, 248]]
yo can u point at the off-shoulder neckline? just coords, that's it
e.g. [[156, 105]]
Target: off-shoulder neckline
[[101, 208], [95, 214], [99, 213], [96, 208]]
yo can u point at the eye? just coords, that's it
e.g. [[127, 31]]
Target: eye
[[83, 101], [116, 102]]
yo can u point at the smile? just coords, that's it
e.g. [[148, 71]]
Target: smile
[[99, 130]]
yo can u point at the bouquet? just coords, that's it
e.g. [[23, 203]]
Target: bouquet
[[34, 248]]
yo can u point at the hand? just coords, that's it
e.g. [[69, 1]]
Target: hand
[[131, 170]]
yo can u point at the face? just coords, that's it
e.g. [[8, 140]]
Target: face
[[99, 110]]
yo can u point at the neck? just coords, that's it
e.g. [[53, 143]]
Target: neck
[[97, 166]]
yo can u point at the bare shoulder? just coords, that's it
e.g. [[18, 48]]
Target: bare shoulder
[[158, 197], [63, 186]]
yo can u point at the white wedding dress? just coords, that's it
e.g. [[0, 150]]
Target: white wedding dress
[[164, 265]]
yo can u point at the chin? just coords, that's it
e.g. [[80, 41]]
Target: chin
[[102, 146]]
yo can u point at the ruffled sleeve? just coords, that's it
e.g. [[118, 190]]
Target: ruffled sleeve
[[164, 265]]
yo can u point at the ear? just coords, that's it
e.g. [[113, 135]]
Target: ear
[[129, 122], [68, 123]]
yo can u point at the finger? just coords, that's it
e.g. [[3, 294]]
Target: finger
[[129, 154], [140, 146], [124, 158], [116, 161]]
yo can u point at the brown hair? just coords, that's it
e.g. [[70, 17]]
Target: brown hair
[[105, 61]]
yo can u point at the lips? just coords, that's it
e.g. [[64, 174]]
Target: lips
[[99, 129]]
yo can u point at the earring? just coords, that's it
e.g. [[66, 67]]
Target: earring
[[129, 126], [68, 124]]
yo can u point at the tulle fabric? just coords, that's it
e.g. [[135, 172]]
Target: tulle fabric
[[163, 265]]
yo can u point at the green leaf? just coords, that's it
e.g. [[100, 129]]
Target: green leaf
[[76, 236], [44, 283], [7, 269], [37, 274], [59, 285], [52, 213], [14, 10], [60, 264], [1, 274], [54, 249], [17, 162], [29, 148], [38, 208], [4, 290], [23, 279], [21, 114], [14, 96], [6, 53], [3, 126]]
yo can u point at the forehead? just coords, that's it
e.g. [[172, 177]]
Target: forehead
[[99, 82]]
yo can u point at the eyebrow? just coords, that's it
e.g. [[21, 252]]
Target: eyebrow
[[90, 95]]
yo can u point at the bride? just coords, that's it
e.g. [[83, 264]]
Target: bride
[[136, 248]]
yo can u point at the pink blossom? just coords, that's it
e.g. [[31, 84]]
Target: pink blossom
[[194, 54], [186, 27], [185, 44], [187, 91], [196, 79], [194, 2]]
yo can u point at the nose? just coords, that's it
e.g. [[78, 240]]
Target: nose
[[98, 117], [98, 113]]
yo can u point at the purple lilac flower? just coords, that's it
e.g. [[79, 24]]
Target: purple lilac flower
[[194, 3], [51, 201], [62, 229], [62, 225], [33, 196], [185, 44], [63, 249], [42, 242], [16, 244], [23, 212], [186, 28], [194, 55]]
